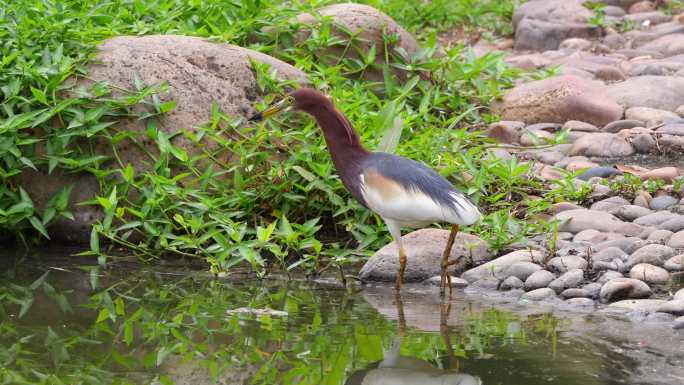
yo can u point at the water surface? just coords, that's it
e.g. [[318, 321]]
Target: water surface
[[178, 325]]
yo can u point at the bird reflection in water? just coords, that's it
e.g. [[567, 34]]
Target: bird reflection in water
[[396, 369]]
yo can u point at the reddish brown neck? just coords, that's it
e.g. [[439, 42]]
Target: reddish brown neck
[[343, 142]]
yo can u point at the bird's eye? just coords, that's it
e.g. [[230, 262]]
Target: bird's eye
[[290, 100]]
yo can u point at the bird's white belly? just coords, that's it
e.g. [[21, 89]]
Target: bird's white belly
[[413, 208]]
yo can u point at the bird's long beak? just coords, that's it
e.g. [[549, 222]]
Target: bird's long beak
[[272, 110]]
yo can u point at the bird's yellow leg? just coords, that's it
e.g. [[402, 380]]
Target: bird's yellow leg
[[446, 278], [402, 267]]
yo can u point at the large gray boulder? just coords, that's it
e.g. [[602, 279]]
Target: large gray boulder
[[424, 250], [198, 73]]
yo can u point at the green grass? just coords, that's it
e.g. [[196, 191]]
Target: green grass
[[291, 213]]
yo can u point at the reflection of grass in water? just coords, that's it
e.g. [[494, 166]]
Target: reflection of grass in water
[[143, 323]]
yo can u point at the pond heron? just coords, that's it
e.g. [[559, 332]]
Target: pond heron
[[403, 192]]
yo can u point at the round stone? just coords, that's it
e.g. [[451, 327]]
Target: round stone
[[624, 288], [539, 294], [650, 274], [539, 279]]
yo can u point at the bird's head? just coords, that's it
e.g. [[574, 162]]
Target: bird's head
[[303, 99]]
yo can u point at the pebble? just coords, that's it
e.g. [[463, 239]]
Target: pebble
[[667, 174], [539, 294], [522, 270], [649, 305], [575, 293], [609, 254], [675, 224], [624, 288], [678, 323], [593, 289], [486, 283], [506, 131], [644, 143], [643, 199], [567, 263], [583, 302], [601, 144], [456, 283], [675, 307], [498, 265], [675, 263], [655, 219], [663, 202], [587, 235], [628, 245], [630, 212], [511, 283], [651, 116], [659, 236], [576, 125], [575, 221], [620, 125], [680, 111], [650, 274], [679, 295], [653, 254], [609, 275], [569, 280], [539, 279], [677, 240], [609, 203], [601, 172]]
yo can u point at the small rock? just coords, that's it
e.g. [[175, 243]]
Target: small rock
[[652, 116], [643, 199], [649, 305], [486, 283], [619, 125], [456, 283], [674, 224], [608, 276], [581, 302], [601, 144], [675, 307], [668, 45], [677, 240], [522, 270], [499, 265], [615, 265], [680, 111], [567, 263], [569, 280], [675, 263], [575, 44], [593, 289], [609, 203], [630, 212], [609, 254], [539, 279], [511, 283], [663, 202], [628, 245], [653, 254], [575, 221], [656, 218], [532, 137], [539, 294], [624, 288], [564, 206], [659, 318], [424, 250], [649, 274], [550, 157], [586, 235], [678, 323], [506, 131], [659, 236], [679, 295], [668, 174], [575, 293], [614, 11], [644, 143], [576, 125], [642, 6]]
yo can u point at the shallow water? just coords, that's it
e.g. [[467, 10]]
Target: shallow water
[[176, 325]]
